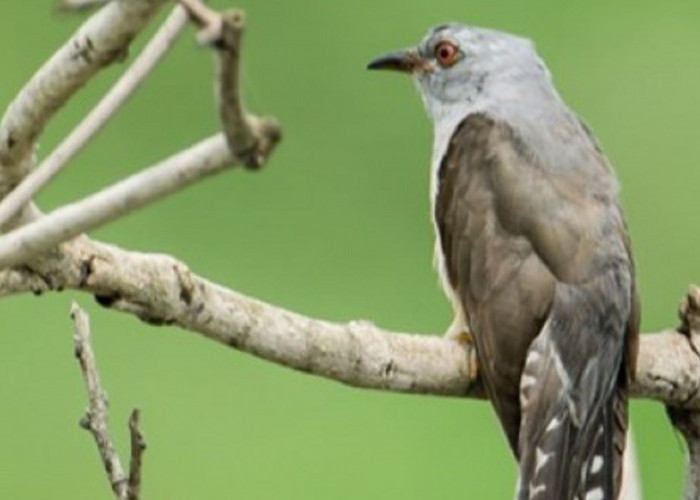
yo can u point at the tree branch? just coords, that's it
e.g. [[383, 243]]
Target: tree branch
[[161, 290], [224, 31], [101, 40], [96, 418], [251, 143], [206, 158], [132, 79], [138, 446]]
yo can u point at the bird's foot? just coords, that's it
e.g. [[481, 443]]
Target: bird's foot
[[464, 337]]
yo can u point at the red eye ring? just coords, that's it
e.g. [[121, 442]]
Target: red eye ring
[[446, 53]]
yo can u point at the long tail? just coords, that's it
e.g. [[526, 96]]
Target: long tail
[[574, 395]]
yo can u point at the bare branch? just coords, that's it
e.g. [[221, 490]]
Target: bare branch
[[138, 446], [239, 127], [96, 419], [224, 31], [161, 290], [101, 40], [208, 20], [252, 142], [151, 55], [206, 158]]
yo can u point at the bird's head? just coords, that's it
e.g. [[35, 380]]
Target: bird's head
[[455, 65]]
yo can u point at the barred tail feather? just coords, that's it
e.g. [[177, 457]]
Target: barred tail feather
[[574, 398], [564, 464]]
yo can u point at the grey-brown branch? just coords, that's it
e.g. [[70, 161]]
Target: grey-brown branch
[[96, 418], [159, 289], [224, 31]]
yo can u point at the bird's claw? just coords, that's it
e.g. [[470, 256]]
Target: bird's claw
[[465, 338]]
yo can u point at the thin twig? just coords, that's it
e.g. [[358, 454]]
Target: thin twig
[[138, 446], [96, 418], [243, 142], [224, 31], [132, 79], [151, 55], [101, 40], [208, 20], [206, 158]]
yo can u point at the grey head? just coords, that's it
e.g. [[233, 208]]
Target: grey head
[[458, 67], [461, 70]]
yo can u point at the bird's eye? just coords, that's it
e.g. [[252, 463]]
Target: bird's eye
[[446, 53]]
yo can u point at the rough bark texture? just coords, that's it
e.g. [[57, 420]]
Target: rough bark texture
[[159, 289]]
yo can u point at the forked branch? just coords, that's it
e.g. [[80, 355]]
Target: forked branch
[[106, 109], [101, 40], [96, 418], [224, 31]]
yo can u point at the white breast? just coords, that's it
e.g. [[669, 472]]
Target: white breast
[[444, 129], [446, 117]]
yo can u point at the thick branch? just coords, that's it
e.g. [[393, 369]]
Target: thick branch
[[101, 40], [132, 79], [161, 290]]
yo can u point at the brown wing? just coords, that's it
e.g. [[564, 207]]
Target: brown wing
[[506, 290], [525, 244]]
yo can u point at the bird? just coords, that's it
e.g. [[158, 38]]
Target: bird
[[533, 251]]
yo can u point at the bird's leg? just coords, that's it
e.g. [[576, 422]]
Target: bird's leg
[[459, 332]]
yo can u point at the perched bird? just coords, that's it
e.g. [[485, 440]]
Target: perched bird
[[533, 251]]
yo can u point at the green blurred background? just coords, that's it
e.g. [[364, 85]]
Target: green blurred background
[[336, 227]]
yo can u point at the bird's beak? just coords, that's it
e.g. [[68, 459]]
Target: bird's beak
[[406, 61]]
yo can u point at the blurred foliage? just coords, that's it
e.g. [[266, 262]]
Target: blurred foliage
[[336, 226]]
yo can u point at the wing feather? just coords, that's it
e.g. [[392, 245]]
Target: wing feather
[[539, 257]]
